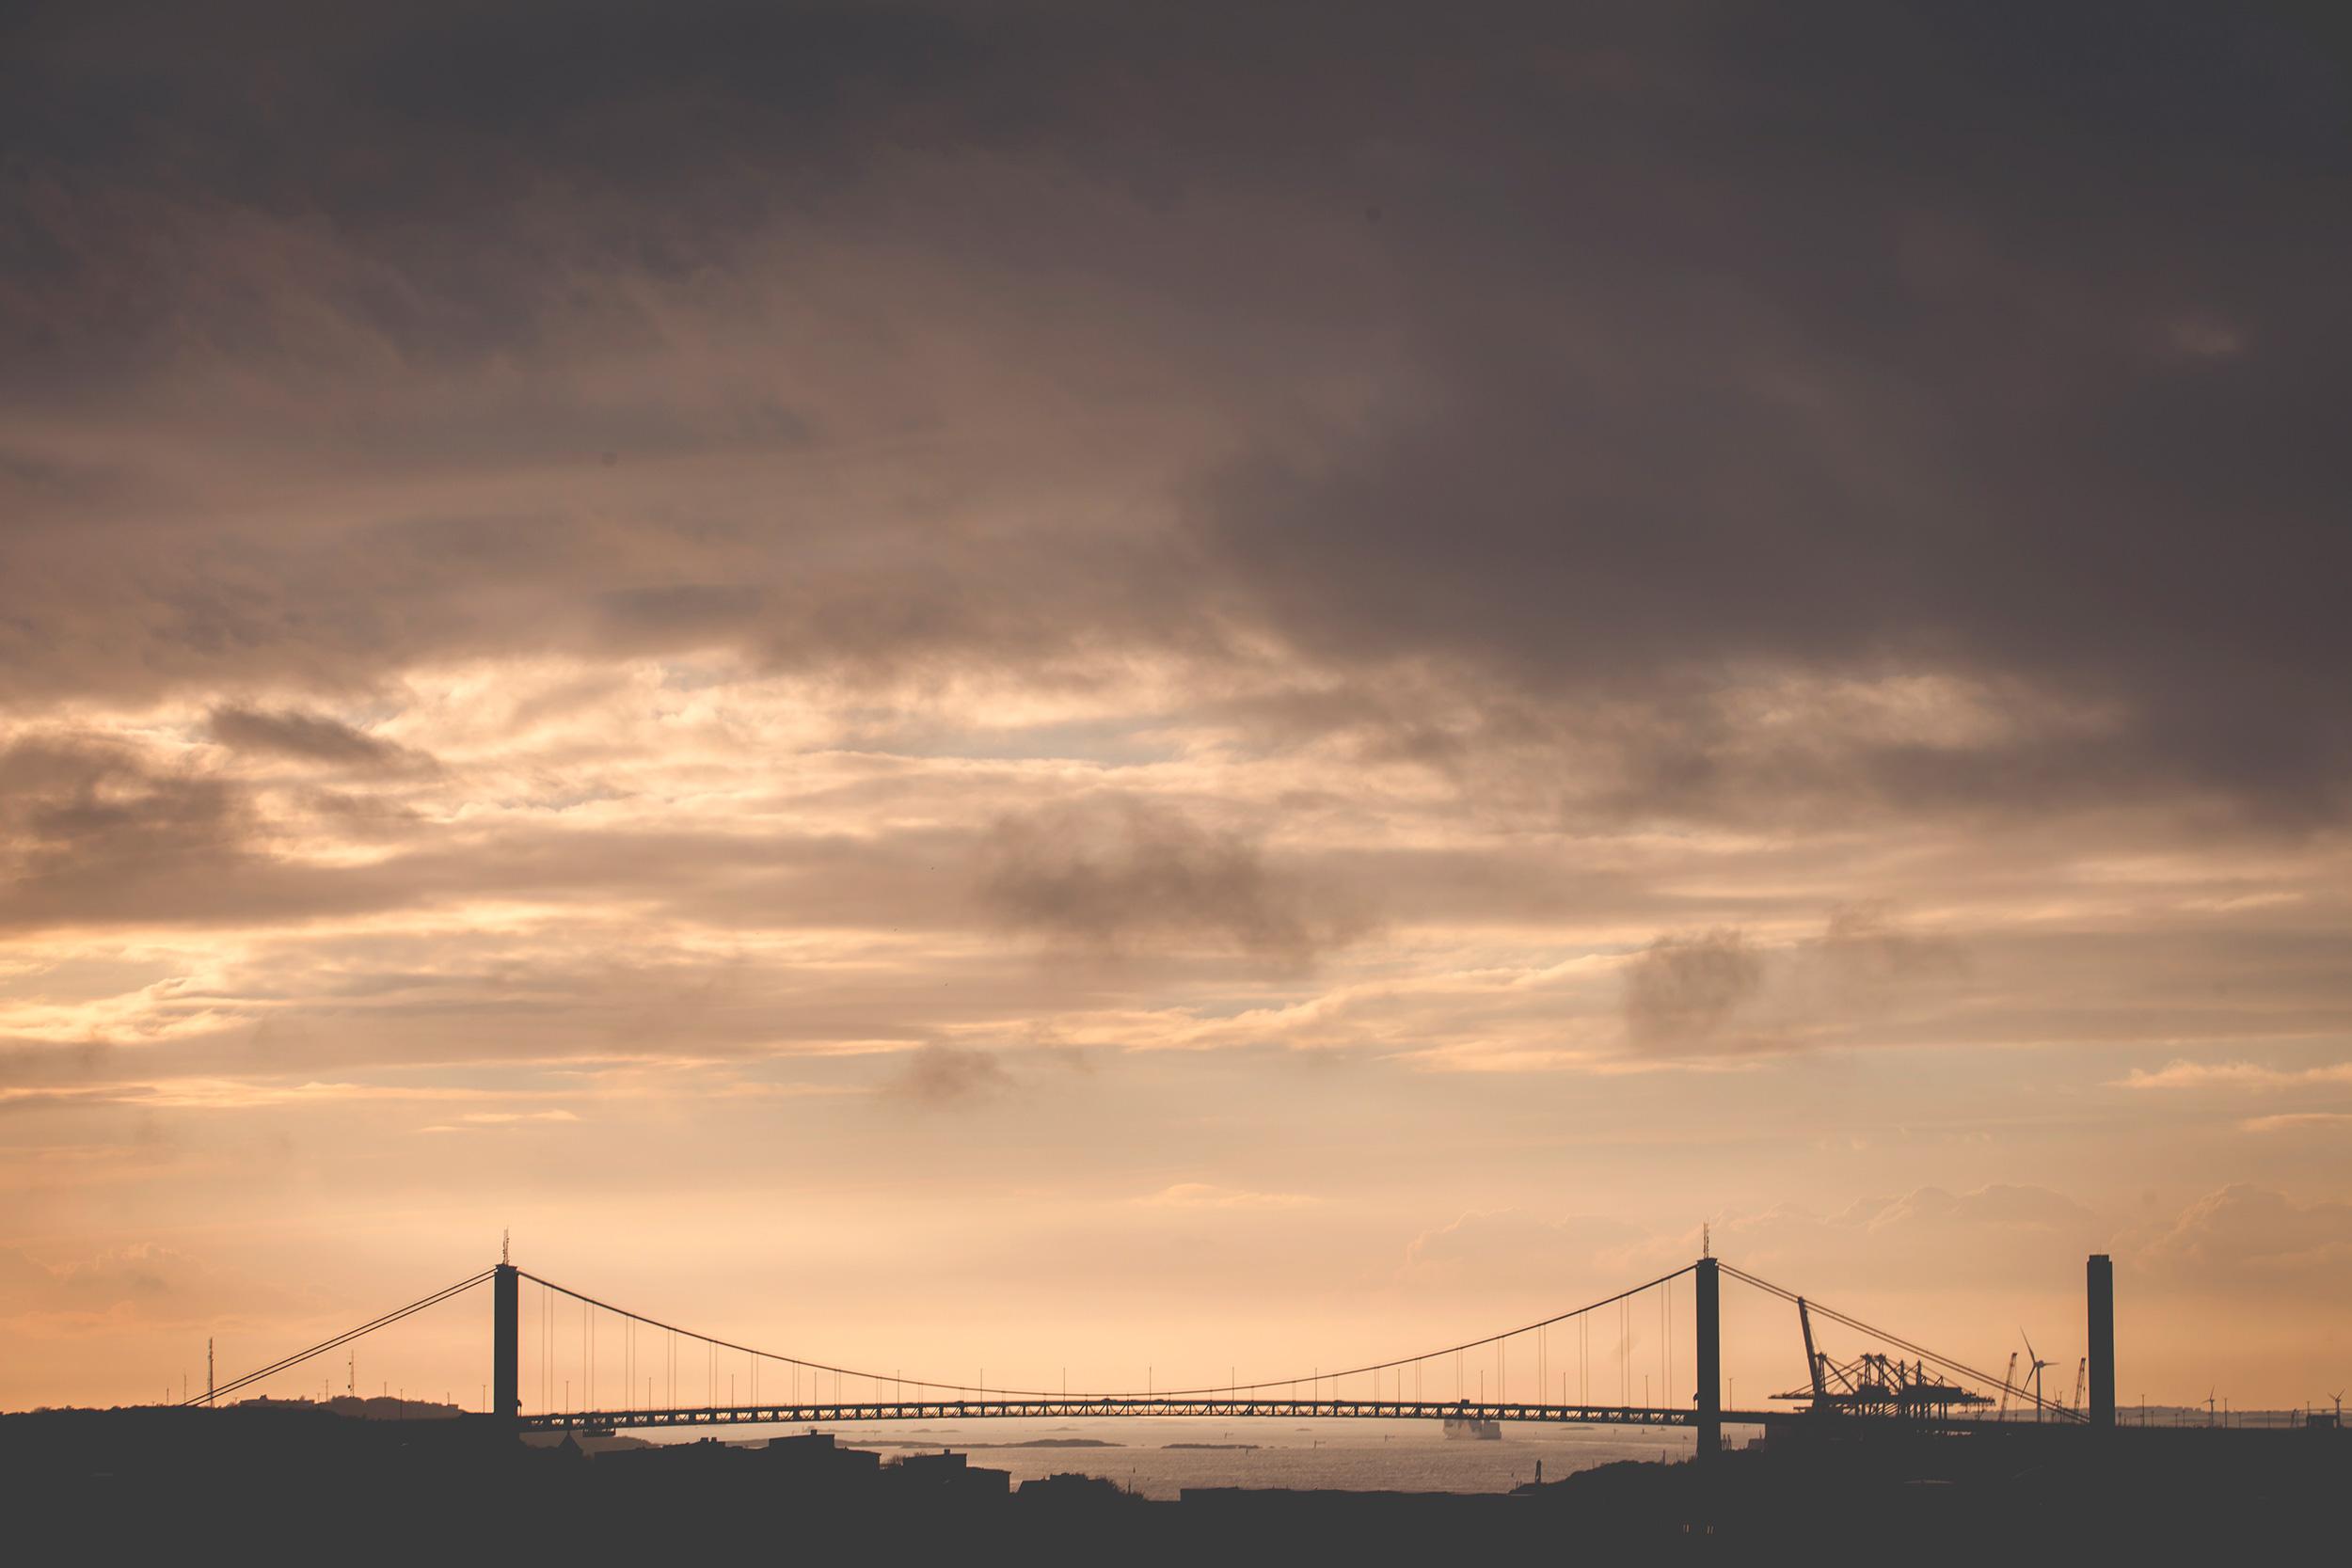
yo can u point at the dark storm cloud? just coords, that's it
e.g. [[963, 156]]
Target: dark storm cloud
[[308, 737], [1719, 991], [1681, 992], [87, 827], [1890, 354], [1863, 950], [93, 831], [1115, 873], [1697, 346], [936, 1074]]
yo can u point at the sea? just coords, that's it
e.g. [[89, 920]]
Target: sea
[[1161, 1457]]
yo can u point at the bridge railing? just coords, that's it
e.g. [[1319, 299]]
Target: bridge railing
[[798, 1414]]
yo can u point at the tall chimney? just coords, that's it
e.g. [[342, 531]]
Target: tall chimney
[[2099, 1280]]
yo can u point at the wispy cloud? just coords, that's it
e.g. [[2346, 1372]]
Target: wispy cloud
[[2292, 1121], [232, 1094], [477, 1120], [1203, 1195], [2241, 1075]]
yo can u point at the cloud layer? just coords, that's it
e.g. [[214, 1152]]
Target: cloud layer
[[1732, 612]]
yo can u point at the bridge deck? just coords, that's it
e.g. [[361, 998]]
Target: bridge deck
[[1031, 1409]]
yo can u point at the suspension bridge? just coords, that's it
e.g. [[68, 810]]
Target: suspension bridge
[[647, 1366]]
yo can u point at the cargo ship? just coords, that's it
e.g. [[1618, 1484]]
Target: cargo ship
[[1472, 1428]]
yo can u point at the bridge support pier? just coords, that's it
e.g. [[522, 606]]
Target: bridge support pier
[[1710, 1359], [506, 1397]]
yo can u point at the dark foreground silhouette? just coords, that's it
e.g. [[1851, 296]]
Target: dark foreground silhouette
[[308, 1485]]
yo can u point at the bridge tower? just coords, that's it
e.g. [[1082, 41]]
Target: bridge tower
[[506, 1396], [2099, 1280], [1711, 1358]]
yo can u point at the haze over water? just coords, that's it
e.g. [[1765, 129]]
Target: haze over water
[[1403, 1456]]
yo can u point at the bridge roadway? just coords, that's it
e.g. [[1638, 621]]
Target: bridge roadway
[[1241, 1408], [1097, 1408]]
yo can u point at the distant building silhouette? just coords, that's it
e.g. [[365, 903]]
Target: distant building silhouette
[[952, 1473]]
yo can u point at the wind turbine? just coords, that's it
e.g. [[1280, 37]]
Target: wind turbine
[[2038, 1365]]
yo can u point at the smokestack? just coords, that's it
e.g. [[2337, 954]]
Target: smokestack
[[2099, 1281]]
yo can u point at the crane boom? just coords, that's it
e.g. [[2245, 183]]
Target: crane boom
[[1812, 1356]]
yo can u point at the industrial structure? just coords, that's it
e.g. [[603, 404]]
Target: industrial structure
[[1874, 1384]]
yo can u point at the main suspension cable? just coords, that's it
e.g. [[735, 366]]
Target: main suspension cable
[[766, 1354], [1228, 1389], [337, 1341], [1451, 1350]]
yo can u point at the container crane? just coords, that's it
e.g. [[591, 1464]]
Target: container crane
[[1873, 1384], [1812, 1357]]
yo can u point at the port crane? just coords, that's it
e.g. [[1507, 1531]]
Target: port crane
[[2009, 1386], [1873, 1384], [2082, 1372]]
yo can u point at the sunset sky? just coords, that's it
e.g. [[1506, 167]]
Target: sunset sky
[[1199, 688]]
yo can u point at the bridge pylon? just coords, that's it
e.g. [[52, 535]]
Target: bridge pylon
[[1710, 1315], [506, 1396]]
